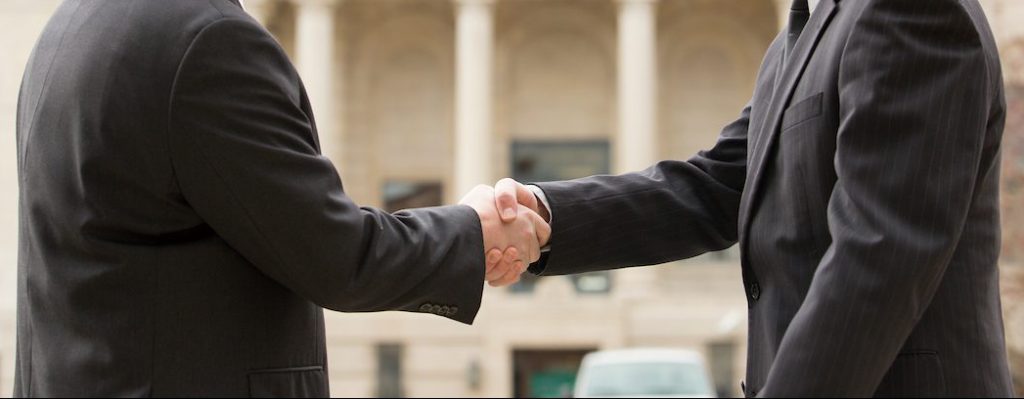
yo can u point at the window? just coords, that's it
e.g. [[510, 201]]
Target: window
[[539, 161], [389, 371], [400, 195]]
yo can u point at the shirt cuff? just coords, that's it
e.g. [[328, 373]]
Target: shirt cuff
[[537, 192]]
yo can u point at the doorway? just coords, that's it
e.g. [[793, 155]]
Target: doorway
[[546, 373]]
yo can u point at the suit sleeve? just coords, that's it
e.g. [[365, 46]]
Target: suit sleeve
[[673, 210], [914, 107], [247, 159]]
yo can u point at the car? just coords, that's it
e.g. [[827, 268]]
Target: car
[[644, 372]]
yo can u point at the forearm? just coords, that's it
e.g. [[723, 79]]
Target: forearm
[[249, 167], [411, 258], [670, 211]]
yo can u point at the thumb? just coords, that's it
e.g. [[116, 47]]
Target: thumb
[[506, 194]]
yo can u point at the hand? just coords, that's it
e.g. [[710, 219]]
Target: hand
[[509, 246], [509, 196]]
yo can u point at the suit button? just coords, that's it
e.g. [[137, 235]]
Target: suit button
[[444, 311], [425, 307], [755, 291], [453, 310], [436, 309]]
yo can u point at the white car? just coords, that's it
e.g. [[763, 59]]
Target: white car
[[644, 373]]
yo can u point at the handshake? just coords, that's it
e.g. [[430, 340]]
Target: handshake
[[515, 227]]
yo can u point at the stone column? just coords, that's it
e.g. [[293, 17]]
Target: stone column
[[473, 94], [637, 142], [314, 53], [636, 147]]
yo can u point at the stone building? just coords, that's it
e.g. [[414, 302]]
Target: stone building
[[419, 100]]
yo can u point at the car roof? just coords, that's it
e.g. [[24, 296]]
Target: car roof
[[638, 355]]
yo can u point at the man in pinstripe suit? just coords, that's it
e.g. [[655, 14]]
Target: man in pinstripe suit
[[861, 182]]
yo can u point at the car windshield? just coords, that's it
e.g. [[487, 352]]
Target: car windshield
[[647, 379]]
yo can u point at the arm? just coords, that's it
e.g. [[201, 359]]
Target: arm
[[246, 159], [914, 109], [673, 210]]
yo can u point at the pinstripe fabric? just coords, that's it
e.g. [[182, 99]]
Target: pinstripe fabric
[[861, 182]]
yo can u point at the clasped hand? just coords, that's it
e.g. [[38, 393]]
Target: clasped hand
[[513, 229]]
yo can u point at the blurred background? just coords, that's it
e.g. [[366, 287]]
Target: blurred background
[[419, 100]]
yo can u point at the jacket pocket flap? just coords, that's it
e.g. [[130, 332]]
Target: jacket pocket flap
[[804, 110]]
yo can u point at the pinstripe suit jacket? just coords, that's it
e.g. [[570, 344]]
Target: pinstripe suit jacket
[[861, 183]]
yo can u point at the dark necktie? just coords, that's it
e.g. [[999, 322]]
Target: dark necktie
[[799, 13]]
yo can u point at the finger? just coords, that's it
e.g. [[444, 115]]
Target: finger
[[523, 195], [499, 270], [509, 258], [510, 270], [511, 255], [526, 197], [506, 199], [510, 278], [530, 243], [542, 228], [522, 267], [493, 257], [504, 265]]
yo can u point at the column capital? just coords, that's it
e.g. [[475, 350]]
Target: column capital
[[636, 1], [320, 3], [474, 2]]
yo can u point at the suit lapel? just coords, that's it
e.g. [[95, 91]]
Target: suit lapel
[[792, 70]]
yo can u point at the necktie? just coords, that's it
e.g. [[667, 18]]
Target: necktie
[[799, 13]]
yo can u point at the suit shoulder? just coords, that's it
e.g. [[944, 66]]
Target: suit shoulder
[[236, 51], [176, 22], [958, 22], [976, 13]]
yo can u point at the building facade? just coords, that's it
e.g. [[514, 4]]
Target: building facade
[[417, 101], [423, 99]]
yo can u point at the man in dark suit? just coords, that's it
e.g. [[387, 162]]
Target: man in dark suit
[[861, 183], [179, 230]]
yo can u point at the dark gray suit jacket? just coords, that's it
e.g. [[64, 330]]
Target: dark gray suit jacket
[[180, 230], [861, 183]]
